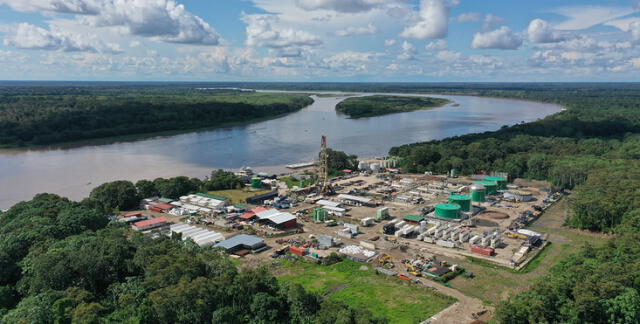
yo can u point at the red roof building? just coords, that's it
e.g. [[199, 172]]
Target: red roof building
[[150, 224]]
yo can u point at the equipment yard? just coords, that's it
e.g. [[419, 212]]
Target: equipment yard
[[387, 232]]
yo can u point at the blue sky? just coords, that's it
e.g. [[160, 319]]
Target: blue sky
[[320, 40]]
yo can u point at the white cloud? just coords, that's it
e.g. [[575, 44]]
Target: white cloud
[[469, 16], [541, 32], [389, 42], [27, 36], [165, 20], [350, 60], [438, 45], [262, 32], [635, 62], [448, 56], [432, 21], [583, 17], [623, 24], [353, 30], [340, 5], [408, 51], [491, 21], [60, 6], [502, 38], [634, 28]]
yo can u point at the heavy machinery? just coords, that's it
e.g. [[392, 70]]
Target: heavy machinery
[[412, 270], [515, 236], [385, 261]]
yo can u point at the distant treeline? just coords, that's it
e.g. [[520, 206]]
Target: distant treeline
[[53, 114], [377, 105]]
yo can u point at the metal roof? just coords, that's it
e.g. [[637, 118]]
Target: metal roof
[[354, 198], [242, 239], [265, 214], [325, 202], [413, 218], [212, 196], [281, 218], [150, 222]]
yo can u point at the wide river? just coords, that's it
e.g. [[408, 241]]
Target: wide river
[[265, 146]]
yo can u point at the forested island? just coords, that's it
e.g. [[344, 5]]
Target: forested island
[[377, 105], [55, 114]]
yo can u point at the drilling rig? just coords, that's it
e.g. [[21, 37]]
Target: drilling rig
[[323, 168]]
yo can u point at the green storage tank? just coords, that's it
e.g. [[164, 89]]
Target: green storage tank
[[463, 201], [256, 183], [477, 193], [502, 182], [382, 213], [491, 187], [320, 214], [448, 211]]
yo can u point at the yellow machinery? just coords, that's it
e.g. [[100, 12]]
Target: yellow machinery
[[516, 236], [412, 270]]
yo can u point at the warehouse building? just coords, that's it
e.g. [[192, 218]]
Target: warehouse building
[[200, 236], [159, 223], [356, 200], [243, 242]]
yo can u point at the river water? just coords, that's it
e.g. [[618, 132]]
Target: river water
[[265, 146]]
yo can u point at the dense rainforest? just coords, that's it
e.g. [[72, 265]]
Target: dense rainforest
[[54, 114], [369, 106], [64, 262]]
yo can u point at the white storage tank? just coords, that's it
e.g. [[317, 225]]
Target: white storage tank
[[375, 167]]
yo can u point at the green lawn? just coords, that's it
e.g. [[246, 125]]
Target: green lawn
[[292, 182], [397, 300], [237, 196]]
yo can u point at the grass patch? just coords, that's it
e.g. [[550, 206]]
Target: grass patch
[[292, 182], [237, 196], [399, 301], [536, 260]]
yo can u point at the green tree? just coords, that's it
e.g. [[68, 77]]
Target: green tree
[[146, 189], [120, 195]]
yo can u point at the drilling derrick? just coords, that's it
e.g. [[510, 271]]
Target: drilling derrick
[[323, 169]]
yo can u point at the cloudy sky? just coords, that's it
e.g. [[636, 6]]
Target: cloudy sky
[[320, 40]]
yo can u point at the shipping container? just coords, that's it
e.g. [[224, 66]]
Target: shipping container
[[483, 251], [297, 250]]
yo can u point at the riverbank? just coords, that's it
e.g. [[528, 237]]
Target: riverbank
[[138, 137], [59, 116]]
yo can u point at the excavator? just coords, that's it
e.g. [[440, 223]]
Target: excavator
[[412, 270], [385, 261]]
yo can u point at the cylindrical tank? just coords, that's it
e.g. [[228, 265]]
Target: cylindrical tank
[[491, 187], [477, 193], [453, 173], [362, 165], [463, 200], [375, 167], [448, 211], [256, 183], [320, 214], [502, 182]]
